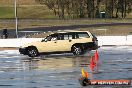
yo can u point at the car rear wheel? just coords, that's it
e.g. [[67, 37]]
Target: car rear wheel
[[77, 50], [32, 52]]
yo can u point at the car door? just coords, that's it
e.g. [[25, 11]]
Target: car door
[[64, 42], [48, 44]]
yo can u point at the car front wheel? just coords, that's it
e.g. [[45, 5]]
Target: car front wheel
[[32, 52]]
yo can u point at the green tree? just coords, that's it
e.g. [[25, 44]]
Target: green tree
[[88, 8]]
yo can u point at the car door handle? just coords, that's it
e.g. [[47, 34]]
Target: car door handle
[[70, 40], [55, 42]]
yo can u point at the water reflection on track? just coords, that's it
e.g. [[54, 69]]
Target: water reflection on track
[[63, 70]]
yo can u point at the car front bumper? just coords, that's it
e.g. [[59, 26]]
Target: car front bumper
[[23, 51]]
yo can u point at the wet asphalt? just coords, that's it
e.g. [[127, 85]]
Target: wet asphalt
[[63, 70]]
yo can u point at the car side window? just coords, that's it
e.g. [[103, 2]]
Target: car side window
[[60, 37], [52, 37], [66, 37], [70, 36], [48, 38], [83, 35]]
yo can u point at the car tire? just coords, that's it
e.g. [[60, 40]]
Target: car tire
[[77, 50], [32, 52]]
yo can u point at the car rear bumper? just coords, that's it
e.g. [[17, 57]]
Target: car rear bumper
[[92, 45]]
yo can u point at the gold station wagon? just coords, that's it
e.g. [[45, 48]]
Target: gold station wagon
[[77, 42]]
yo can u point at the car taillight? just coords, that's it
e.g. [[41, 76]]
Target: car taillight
[[94, 39]]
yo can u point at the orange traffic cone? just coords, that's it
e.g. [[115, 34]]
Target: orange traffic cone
[[84, 74], [96, 56], [92, 64]]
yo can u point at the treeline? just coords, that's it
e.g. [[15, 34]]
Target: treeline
[[88, 8]]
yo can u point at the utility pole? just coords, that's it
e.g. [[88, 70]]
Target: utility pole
[[16, 19]]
